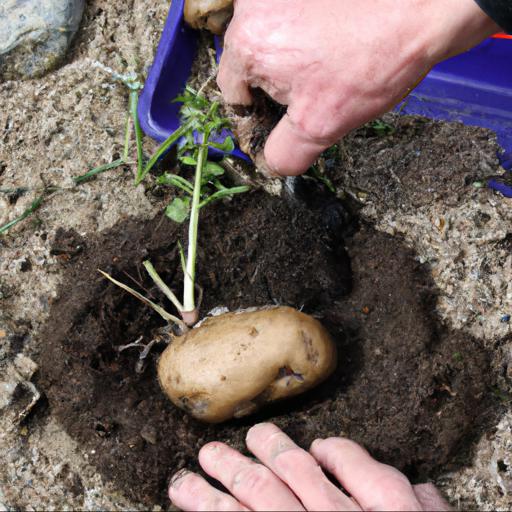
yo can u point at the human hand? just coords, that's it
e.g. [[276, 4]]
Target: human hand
[[337, 64], [289, 478]]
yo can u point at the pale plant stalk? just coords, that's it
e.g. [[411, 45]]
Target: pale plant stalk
[[190, 274], [163, 287]]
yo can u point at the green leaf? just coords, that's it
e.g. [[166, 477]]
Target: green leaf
[[212, 170], [176, 181], [381, 128], [178, 210], [218, 185], [221, 194], [227, 146], [188, 160]]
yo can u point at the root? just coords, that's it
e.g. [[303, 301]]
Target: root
[[140, 366]]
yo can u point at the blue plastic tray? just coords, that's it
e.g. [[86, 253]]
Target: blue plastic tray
[[158, 115], [474, 88]]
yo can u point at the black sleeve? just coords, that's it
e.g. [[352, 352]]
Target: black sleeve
[[500, 11]]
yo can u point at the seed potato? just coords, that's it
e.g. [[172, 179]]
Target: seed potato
[[211, 14], [234, 363]]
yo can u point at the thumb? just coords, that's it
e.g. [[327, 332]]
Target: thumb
[[290, 150]]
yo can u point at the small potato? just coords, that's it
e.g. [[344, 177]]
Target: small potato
[[234, 363], [211, 14]]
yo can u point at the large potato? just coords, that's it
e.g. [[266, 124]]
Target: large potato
[[232, 364], [211, 14]]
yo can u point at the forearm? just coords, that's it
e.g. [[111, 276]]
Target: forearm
[[500, 11]]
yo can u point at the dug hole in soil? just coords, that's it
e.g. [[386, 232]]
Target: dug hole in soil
[[412, 391]]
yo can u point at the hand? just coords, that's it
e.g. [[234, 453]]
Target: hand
[[338, 64], [289, 478]]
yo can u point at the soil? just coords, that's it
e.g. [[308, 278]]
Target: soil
[[410, 389]]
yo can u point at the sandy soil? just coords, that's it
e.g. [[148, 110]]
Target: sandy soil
[[59, 126]]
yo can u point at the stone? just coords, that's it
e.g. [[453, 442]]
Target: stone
[[35, 35]]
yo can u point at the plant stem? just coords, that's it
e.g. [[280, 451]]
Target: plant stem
[[183, 261], [134, 102], [174, 137], [190, 274], [163, 287], [126, 150]]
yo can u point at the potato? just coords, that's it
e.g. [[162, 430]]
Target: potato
[[211, 14], [232, 364]]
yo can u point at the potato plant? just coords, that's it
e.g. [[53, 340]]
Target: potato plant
[[231, 364]]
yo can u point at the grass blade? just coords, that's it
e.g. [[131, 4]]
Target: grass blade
[[36, 204], [98, 170]]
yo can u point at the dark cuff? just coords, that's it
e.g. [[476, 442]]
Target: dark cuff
[[500, 11]]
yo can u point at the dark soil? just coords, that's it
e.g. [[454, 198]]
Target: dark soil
[[415, 161], [406, 387]]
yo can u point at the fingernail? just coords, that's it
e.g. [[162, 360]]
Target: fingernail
[[178, 477]]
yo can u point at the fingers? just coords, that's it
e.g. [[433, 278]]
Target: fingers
[[231, 80], [430, 498], [253, 484], [296, 468], [289, 150], [373, 485], [189, 491]]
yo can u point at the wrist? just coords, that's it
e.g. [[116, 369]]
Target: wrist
[[461, 25]]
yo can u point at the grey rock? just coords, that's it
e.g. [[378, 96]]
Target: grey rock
[[35, 34]]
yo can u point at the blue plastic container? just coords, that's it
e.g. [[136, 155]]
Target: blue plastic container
[[167, 76], [474, 88]]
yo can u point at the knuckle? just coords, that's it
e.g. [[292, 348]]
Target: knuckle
[[393, 478], [333, 452], [293, 459], [398, 494], [223, 74], [210, 504], [318, 129], [254, 478]]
